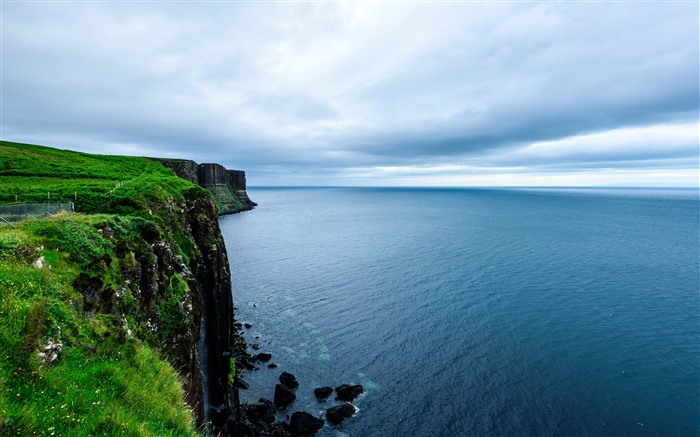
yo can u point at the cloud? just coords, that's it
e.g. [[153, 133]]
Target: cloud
[[326, 89]]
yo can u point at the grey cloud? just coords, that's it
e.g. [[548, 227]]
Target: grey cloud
[[326, 88]]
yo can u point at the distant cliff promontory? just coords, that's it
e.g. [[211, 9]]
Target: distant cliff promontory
[[227, 186]]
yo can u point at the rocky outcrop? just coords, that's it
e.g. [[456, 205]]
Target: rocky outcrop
[[283, 395], [185, 169], [227, 186], [304, 424], [289, 380], [340, 412], [348, 392], [322, 393]]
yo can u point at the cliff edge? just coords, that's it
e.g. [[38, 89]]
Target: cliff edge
[[116, 319]]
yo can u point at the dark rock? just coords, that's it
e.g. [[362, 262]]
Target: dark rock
[[241, 384], [304, 424], [347, 392], [289, 380], [263, 412], [323, 392], [240, 429], [262, 356], [338, 413], [283, 396], [247, 325], [272, 366]]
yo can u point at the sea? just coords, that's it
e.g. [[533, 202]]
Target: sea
[[477, 312]]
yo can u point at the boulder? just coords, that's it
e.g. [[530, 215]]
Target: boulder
[[347, 392], [289, 380], [304, 424], [262, 356], [272, 366], [263, 412], [247, 325], [283, 395], [338, 413], [323, 392]]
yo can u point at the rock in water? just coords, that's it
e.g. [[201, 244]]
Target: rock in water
[[347, 392], [304, 424], [262, 356], [323, 392], [241, 384], [289, 380], [338, 413], [283, 396]]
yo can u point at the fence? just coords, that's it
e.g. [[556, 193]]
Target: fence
[[22, 211]]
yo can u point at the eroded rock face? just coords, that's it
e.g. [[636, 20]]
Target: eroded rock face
[[185, 169], [213, 283], [51, 352]]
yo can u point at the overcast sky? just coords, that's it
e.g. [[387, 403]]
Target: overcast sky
[[359, 93]]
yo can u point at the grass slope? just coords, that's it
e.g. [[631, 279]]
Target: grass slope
[[111, 378]]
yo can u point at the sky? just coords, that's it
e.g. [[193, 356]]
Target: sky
[[366, 93]]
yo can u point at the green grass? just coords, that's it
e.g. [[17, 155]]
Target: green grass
[[105, 383], [30, 173], [108, 380]]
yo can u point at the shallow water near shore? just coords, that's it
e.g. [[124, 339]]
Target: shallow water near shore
[[477, 311]]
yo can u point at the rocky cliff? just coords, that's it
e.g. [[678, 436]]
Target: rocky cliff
[[122, 311], [227, 186], [177, 273]]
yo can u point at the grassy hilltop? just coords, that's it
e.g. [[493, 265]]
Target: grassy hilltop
[[73, 280], [30, 173]]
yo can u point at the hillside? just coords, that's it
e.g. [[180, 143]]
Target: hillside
[[110, 317]]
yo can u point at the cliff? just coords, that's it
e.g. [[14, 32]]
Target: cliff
[[111, 318], [227, 186]]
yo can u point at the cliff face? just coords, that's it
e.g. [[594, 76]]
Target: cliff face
[[213, 283], [183, 303], [227, 186]]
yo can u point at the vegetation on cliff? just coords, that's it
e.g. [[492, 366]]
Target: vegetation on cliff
[[100, 311]]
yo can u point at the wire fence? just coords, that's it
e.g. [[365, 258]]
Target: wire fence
[[21, 211]]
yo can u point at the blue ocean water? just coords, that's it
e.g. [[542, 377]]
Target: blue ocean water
[[515, 312]]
